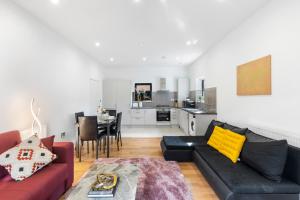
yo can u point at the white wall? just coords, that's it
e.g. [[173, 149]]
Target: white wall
[[37, 62], [151, 75], [275, 30]]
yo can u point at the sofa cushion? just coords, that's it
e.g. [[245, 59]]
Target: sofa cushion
[[26, 158], [240, 178], [253, 137], [183, 142], [268, 158], [211, 128], [235, 129], [232, 145], [216, 138], [48, 142], [41, 184]]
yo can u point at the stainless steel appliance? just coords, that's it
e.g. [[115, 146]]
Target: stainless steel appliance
[[163, 113], [189, 104]]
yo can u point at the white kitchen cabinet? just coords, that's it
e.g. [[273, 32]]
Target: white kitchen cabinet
[[184, 121], [137, 117], [143, 117], [117, 95], [202, 122], [150, 116], [174, 116], [183, 89]]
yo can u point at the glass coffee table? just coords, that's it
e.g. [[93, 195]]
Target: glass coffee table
[[126, 190]]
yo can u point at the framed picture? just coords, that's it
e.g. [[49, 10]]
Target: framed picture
[[255, 78], [143, 92]]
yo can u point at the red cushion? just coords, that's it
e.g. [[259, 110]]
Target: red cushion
[[41, 184], [48, 142], [7, 141]]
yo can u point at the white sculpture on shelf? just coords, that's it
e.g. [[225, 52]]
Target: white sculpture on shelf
[[36, 121]]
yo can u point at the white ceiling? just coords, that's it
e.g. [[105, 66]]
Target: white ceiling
[[129, 30]]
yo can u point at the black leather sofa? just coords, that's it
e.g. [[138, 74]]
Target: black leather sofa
[[235, 181]]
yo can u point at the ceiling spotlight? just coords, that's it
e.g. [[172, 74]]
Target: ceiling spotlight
[[137, 1], [163, 1], [195, 42], [97, 44], [188, 43], [144, 59], [177, 58], [55, 2], [112, 59]]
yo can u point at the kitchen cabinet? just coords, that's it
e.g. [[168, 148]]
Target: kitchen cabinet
[[202, 122], [183, 89], [117, 95], [137, 117], [150, 116], [143, 117], [174, 116]]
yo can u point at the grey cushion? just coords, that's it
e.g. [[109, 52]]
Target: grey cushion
[[268, 158], [183, 142], [235, 129], [253, 137], [240, 178]]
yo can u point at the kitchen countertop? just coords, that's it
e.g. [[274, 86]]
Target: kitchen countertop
[[193, 111], [196, 111]]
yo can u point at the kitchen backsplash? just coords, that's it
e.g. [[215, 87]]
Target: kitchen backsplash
[[167, 98], [160, 98], [210, 99]]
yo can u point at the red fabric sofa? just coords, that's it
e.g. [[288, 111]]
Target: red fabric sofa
[[50, 183]]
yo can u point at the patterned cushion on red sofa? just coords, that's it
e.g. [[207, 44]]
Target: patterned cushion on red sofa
[[26, 158]]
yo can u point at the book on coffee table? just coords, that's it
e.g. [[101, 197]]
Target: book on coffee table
[[100, 189]]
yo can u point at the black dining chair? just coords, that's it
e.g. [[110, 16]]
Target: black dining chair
[[111, 112], [77, 115], [116, 130], [88, 129]]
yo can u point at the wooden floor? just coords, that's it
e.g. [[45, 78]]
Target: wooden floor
[[149, 147]]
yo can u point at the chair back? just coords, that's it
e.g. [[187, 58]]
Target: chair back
[[119, 119], [77, 115], [88, 128], [112, 112]]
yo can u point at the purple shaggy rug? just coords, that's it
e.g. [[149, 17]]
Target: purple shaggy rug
[[158, 180]]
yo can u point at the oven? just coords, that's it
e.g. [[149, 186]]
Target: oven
[[163, 115]]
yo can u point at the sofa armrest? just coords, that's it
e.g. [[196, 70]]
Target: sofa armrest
[[65, 154]]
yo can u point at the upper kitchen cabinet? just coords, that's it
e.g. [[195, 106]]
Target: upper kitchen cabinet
[[117, 95], [183, 89]]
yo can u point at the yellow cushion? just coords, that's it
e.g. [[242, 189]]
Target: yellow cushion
[[232, 145], [216, 137]]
